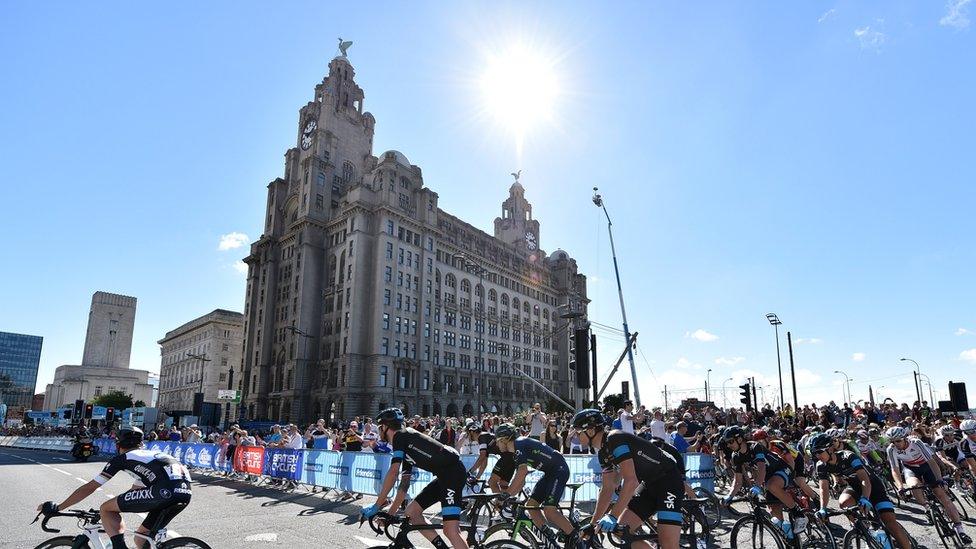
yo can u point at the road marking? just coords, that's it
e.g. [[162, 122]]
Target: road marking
[[270, 536], [79, 479], [373, 542], [61, 471]]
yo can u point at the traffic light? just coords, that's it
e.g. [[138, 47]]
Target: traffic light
[[746, 396], [79, 408], [88, 411], [581, 340], [110, 415]]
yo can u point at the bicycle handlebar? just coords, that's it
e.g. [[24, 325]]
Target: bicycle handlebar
[[90, 516]]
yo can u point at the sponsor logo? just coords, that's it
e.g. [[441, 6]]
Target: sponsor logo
[[583, 478], [204, 458], [450, 496], [165, 493], [700, 474], [338, 470], [419, 451], [137, 495], [313, 467], [368, 473], [420, 475], [182, 491], [178, 452], [145, 472], [669, 500], [190, 456], [647, 457], [284, 463]]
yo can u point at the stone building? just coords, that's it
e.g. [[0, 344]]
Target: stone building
[[219, 337], [363, 293]]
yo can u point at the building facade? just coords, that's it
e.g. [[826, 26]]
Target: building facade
[[363, 293], [74, 381], [108, 341], [20, 356], [218, 336]]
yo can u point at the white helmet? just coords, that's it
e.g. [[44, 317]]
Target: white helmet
[[968, 426], [947, 430], [897, 433], [862, 434]]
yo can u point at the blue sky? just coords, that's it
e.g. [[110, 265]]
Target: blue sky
[[814, 159]]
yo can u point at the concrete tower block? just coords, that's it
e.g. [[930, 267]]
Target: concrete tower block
[[108, 342]]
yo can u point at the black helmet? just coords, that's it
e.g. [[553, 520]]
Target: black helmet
[[472, 425], [129, 437], [506, 430], [391, 417], [732, 432], [820, 442], [590, 417]]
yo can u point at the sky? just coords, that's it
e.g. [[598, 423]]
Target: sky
[[810, 159]]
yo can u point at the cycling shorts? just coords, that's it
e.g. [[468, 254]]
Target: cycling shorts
[[549, 490], [662, 498], [165, 500], [446, 489], [879, 499], [505, 467], [923, 473], [787, 480]]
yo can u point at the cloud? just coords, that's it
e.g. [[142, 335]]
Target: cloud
[[870, 39], [701, 335], [723, 361], [806, 378], [240, 267], [827, 15], [963, 331], [231, 241], [810, 340], [858, 357], [956, 15], [686, 364], [968, 356]]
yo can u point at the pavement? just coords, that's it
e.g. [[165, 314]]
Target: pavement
[[229, 513]]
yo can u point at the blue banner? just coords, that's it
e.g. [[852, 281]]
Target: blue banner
[[283, 463], [700, 471]]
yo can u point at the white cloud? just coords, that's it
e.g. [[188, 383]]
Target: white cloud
[[731, 361], [870, 39], [858, 357], [810, 340], [827, 15], [240, 267], [963, 331], [233, 240], [968, 356], [956, 15], [806, 378], [686, 364], [593, 279], [701, 335]]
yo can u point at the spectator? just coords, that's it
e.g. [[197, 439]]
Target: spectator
[[537, 421], [657, 426], [352, 442], [448, 436], [192, 434], [551, 436], [293, 439], [678, 439], [627, 417], [318, 435]]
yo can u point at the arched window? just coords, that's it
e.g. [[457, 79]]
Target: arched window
[[515, 304], [535, 309], [525, 307], [492, 295], [347, 172], [404, 183], [479, 290], [465, 286], [545, 315], [450, 281], [505, 299]]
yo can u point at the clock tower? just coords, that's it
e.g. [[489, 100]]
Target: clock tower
[[516, 225]]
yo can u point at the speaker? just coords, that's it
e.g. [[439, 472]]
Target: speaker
[[197, 404], [945, 407], [581, 340], [957, 394], [625, 390]]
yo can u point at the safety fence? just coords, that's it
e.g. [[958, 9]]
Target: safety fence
[[359, 472]]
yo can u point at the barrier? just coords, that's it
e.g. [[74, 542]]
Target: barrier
[[360, 472]]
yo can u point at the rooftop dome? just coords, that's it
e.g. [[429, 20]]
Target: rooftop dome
[[398, 156], [560, 254]]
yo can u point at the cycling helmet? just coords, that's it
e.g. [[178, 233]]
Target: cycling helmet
[[391, 417], [947, 430], [862, 434], [819, 443], [129, 437], [874, 431], [896, 433], [506, 430], [759, 434], [968, 426], [472, 425], [590, 417], [732, 432]]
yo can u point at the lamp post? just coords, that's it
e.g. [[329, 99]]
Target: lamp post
[[725, 399], [918, 372], [775, 321], [298, 405], [470, 266], [708, 378], [847, 383], [928, 380], [598, 200]]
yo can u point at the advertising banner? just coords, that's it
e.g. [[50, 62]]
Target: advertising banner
[[322, 468], [700, 471], [99, 412], [283, 463], [249, 459]]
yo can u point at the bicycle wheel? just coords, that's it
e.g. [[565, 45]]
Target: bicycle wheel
[[712, 508], [505, 544], [191, 543], [955, 501], [817, 536], [748, 533], [695, 531], [512, 531], [859, 539], [61, 541]]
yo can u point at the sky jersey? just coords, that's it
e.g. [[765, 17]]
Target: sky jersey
[[423, 451], [539, 456], [653, 460], [755, 452], [847, 466], [147, 467], [915, 455]]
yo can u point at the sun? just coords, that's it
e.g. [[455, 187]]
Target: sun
[[520, 90]]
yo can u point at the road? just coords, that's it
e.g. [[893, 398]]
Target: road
[[225, 513]]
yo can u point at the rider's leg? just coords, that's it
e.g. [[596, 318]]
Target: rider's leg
[[634, 522], [777, 486], [911, 481], [452, 532], [112, 522], [556, 517], [415, 513], [532, 508], [891, 523]]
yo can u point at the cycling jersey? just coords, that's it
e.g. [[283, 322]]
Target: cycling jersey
[[951, 450], [867, 447], [847, 466], [915, 455], [540, 456], [753, 454], [967, 447], [147, 467], [425, 452], [652, 461]]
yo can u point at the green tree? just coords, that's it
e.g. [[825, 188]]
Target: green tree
[[114, 399], [614, 402], [139, 404]]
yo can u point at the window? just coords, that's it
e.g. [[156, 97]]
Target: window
[[386, 321], [389, 250], [389, 228], [389, 274], [383, 372], [319, 201], [385, 346], [386, 297]]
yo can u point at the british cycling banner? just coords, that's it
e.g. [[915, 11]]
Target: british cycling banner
[[249, 459], [283, 463]]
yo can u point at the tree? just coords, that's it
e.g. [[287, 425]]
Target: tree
[[114, 399], [613, 402], [139, 404]]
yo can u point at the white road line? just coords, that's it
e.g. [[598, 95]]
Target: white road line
[[62, 471], [269, 536], [79, 479], [377, 541]]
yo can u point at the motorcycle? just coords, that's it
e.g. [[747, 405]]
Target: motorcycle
[[84, 450]]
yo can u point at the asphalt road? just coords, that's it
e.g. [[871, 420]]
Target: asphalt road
[[228, 513]]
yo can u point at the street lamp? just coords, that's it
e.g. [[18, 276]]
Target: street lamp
[[847, 383], [918, 372], [931, 397], [775, 321], [725, 399], [598, 201], [708, 378]]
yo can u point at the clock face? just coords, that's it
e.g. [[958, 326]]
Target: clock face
[[530, 241], [307, 134]]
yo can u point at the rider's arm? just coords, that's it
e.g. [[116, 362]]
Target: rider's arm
[[401, 493], [479, 465], [519, 480], [824, 493], [80, 494], [862, 475], [631, 482], [388, 482], [610, 482]]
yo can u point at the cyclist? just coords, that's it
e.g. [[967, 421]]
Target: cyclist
[[864, 488], [794, 458], [947, 450], [549, 489], [652, 476], [504, 469], [967, 445], [912, 464], [424, 452], [161, 488], [769, 472]]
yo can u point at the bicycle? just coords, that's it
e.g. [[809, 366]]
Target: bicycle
[[756, 530], [937, 516], [94, 537], [398, 528], [864, 530]]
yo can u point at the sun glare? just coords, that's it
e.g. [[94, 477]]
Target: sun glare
[[520, 91]]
